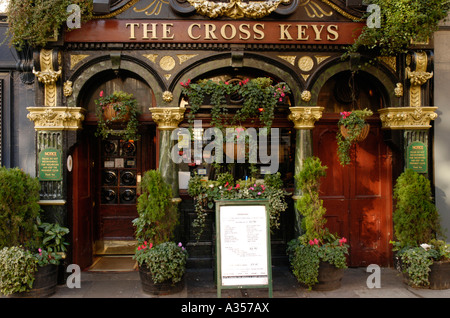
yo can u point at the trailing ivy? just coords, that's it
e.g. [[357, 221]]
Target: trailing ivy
[[402, 21]]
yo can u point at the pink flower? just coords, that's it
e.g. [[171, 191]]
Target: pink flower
[[316, 241], [101, 93], [251, 188], [179, 244], [259, 193], [311, 242], [280, 100], [237, 186], [342, 241]]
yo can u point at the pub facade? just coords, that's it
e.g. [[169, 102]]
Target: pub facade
[[149, 47]]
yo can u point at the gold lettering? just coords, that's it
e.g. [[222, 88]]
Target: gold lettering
[[317, 31], [245, 31], [258, 32], [190, 31], [209, 32], [333, 32], [301, 32], [132, 25], [284, 34], [223, 31], [167, 31], [146, 31]]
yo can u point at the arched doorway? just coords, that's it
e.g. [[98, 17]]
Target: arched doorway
[[107, 172], [358, 197]]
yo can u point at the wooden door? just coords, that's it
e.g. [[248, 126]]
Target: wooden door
[[82, 202], [120, 165], [358, 197]]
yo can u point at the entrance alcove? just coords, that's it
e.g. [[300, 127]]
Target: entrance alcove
[[358, 196], [104, 183]]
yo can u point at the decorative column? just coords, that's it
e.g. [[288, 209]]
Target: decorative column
[[415, 119], [167, 119], [304, 118], [52, 124]]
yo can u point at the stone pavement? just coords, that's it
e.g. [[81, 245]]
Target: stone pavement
[[199, 283]]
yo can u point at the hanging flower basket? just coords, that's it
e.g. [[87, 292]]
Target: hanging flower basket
[[117, 115], [360, 137], [352, 129]]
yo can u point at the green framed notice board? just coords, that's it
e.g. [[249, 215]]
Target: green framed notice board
[[243, 255], [417, 157], [50, 168]]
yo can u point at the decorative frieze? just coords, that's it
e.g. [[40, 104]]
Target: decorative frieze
[[305, 117], [410, 118], [56, 118], [167, 118]]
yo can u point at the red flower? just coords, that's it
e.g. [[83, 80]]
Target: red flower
[[101, 93]]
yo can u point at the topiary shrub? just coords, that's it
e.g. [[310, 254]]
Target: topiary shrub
[[19, 208], [416, 219], [158, 215]]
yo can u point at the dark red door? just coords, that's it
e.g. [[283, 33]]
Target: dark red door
[[358, 197], [82, 203]]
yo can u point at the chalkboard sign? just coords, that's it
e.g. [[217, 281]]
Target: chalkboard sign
[[50, 165], [243, 245], [417, 157]]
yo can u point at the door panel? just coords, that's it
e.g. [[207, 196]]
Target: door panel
[[82, 203], [358, 196]]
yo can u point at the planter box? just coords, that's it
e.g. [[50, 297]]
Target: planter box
[[439, 276], [329, 278], [164, 288], [44, 284]]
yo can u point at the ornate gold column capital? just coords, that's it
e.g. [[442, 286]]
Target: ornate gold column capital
[[304, 117], [167, 118], [56, 118], [411, 118]]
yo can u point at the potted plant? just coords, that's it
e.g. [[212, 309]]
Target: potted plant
[[352, 129], [416, 227], [34, 23], [157, 218], [259, 99], [113, 111], [317, 257], [401, 23]]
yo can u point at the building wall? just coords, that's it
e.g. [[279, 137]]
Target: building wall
[[442, 128]]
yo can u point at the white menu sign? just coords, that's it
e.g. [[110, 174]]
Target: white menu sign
[[243, 245]]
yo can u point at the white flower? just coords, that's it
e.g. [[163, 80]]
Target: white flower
[[211, 185], [426, 247]]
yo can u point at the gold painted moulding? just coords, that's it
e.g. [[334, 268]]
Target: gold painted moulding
[[167, 118], [407, 117], [56, 118]]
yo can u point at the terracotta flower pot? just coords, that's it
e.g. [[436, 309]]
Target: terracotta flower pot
[[363, 135]]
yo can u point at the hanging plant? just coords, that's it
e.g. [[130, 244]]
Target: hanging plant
[[35, 22], [401, 22], [113, 111], [353, 128], [259, 97]]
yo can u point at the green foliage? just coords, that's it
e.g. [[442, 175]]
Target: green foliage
[[205, 193], [259, 96], [416, 219], [416, 262], [158, 215], [126, 107], [35, 22], [316, 244], [401, 22], [19, 208], [17, 268], [305, 257], [53, 239], [310, 205], [354, 121], [166, 261]]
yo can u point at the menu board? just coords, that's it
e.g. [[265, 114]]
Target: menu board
[[243, 245], [50, 165]]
